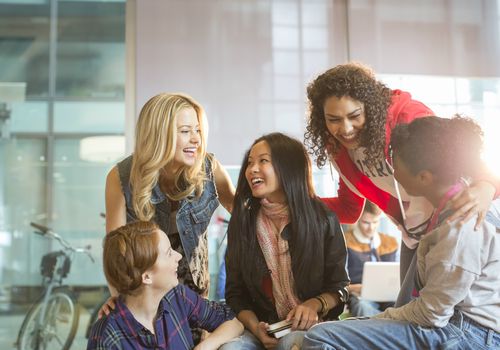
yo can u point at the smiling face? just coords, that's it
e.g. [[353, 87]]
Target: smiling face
[[344, 119], [188, 137], [164, 271], [261, 176]]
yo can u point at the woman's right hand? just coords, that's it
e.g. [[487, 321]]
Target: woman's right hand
[[266, 340], [107, 307]]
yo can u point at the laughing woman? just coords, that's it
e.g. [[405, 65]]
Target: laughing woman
[[286, 254], [352, 115], [171, 180]]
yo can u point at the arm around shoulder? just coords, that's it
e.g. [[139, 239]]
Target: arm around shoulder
[[115, 215]]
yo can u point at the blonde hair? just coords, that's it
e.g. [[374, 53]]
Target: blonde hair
[[155, 143]]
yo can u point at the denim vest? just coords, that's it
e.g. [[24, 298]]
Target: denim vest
[[193, 215]]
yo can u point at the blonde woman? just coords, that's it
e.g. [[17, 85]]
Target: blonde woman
[[171, 179]]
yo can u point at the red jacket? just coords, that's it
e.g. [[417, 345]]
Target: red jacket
[[349, 205]]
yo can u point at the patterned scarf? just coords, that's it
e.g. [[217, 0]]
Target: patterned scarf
[[271, 220]]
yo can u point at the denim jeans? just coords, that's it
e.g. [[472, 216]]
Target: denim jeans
[[460, 333], [361, 307], [248, 341]]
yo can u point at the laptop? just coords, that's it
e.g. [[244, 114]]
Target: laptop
[[380, 281]]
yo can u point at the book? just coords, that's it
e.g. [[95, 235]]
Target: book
[[280, 329]]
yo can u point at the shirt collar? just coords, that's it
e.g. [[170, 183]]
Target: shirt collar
[[130, 325], [127, 321], [365, 240]]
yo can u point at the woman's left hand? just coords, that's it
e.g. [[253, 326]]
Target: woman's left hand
[[304, 316], [475, 199]]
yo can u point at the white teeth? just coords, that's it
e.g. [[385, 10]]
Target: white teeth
[[257, 180], [349, 137]]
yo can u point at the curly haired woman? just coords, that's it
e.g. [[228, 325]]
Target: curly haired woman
[[351, 118]]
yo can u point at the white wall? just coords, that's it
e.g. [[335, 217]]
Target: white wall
[[249, 61]]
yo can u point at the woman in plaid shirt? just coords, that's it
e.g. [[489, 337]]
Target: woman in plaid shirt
[[153, 310]]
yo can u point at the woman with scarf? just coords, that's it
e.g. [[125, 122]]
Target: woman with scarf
[[286, 253]]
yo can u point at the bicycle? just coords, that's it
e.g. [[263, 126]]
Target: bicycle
[[52, 322]]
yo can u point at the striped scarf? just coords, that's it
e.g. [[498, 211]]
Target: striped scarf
[[271, 220]]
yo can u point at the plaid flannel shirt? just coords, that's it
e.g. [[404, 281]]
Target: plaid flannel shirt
[[179, 310]]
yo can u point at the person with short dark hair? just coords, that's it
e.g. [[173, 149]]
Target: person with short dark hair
[[457, 304], [153, 310], [365, 243]]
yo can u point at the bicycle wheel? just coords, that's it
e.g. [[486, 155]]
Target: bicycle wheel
[[57, 329]]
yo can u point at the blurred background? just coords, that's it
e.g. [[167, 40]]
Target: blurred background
[[74, 74]]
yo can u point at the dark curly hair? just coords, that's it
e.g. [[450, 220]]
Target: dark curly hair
[[358, 82], [449, 148]]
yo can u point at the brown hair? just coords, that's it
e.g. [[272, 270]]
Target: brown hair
[[128, 252], [371, 208]]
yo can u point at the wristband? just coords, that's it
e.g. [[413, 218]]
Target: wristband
[[324, 305]]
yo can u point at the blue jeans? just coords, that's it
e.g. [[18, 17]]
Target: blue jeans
[[460, 333], [361, 307], [248, 341]]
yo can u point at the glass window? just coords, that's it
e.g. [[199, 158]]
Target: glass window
[[29, 116], [24, 45], [89, 117], [49, 178], [22, 199], [91, 49], [78, 193]]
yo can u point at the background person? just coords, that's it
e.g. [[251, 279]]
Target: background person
[[286, 254], [365, 243], [153, 310]]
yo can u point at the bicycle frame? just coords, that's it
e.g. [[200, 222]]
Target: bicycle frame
[[53, 278], [54, 281]]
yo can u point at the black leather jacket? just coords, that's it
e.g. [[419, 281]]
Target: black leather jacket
[[244, 292]]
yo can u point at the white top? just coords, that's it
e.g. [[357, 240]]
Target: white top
[[417, 210], [458, 268]]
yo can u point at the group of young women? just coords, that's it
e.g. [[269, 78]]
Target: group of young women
[[286, 257]]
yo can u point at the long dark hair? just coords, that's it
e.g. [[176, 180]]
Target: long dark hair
[[307, 214], [449, 148]]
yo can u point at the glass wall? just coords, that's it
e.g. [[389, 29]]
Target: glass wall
[[62, 117], [62, 109]]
